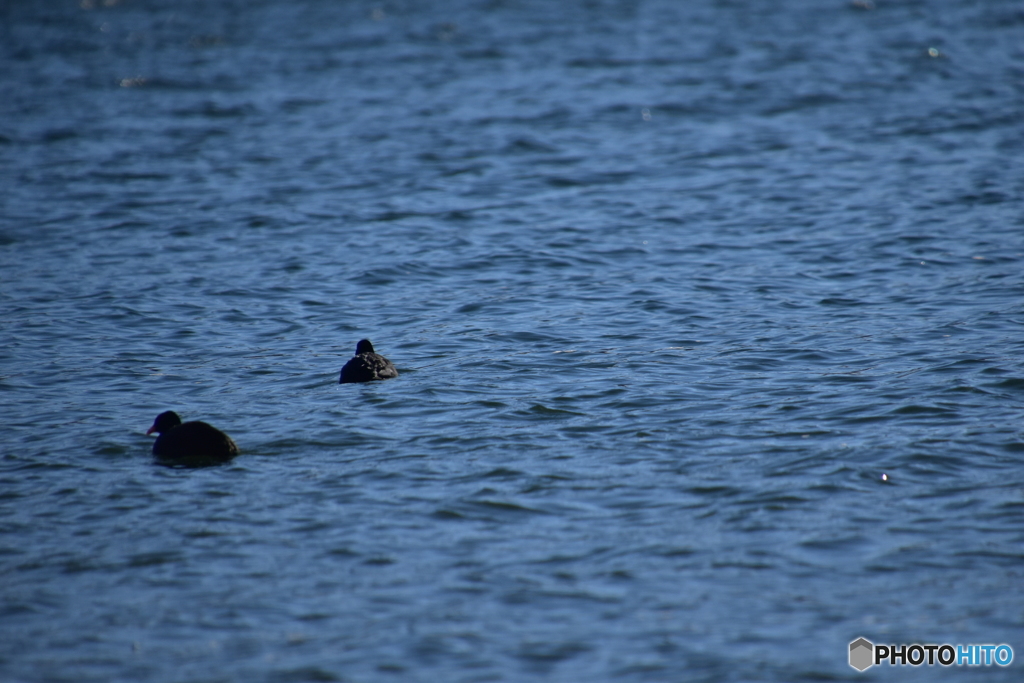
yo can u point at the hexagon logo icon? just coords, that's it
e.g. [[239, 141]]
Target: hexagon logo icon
[[862, 654]]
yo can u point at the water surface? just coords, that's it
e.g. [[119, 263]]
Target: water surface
[[708, 316]]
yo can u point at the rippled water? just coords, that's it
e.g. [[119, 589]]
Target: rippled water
[[709, 317]]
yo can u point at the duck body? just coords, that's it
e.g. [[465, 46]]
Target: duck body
[[367, 366], [190, 444]]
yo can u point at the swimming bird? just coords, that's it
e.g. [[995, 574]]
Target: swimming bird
[[367, 366], [193, 444]]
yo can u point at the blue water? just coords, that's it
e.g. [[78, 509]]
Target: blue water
[[709, 318]]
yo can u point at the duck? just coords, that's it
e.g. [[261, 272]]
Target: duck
[[367, 365], [191, 444]]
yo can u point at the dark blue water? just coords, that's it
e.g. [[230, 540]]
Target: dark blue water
[[709, 318]]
